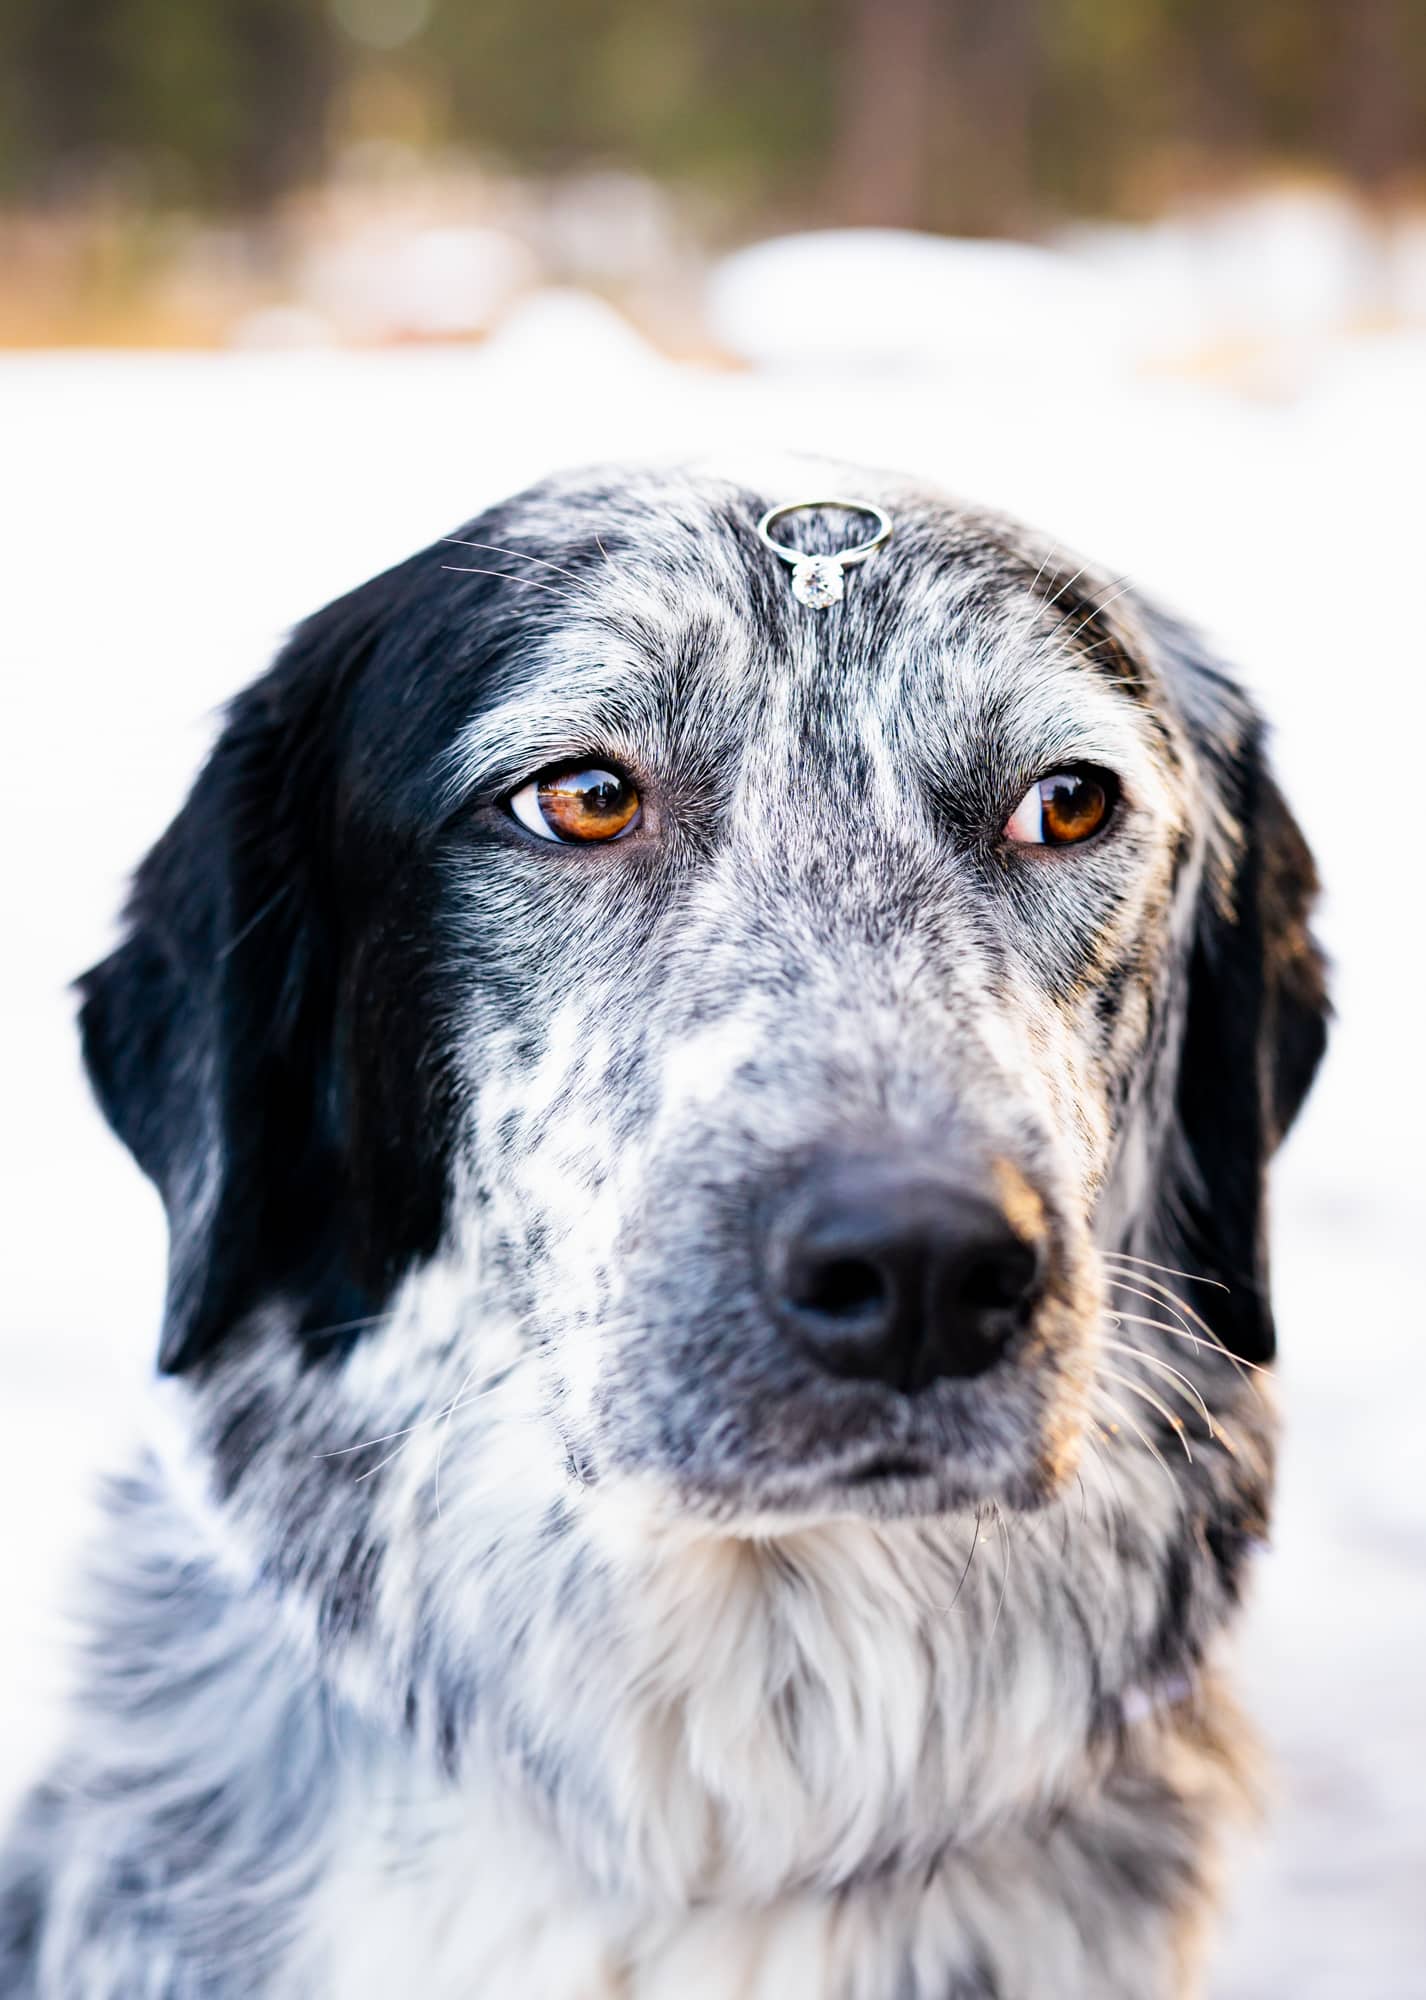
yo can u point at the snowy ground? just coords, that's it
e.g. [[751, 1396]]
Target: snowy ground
[[163, 519]]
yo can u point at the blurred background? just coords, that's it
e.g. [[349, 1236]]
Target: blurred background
[[289, 287], [210, 172]]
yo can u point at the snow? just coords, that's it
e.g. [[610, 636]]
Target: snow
[[823, 299], [166, 518], [388, 281]]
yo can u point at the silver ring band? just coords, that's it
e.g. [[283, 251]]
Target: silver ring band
[[843, 557]]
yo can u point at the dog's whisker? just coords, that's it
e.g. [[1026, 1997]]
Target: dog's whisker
[[1196, 1341], [1170, 1416], [253, 922], [1051, 552], [1101, 608], [1166, 1301], [1033, 610], [468, 1494], [525, 582], [1115, 1499], [370, 1444], [1030, 1532], [1193, 1277], [518, 555], [317, 1333], [1153, 1298], [1068, 584], [1005, 1573], [1158, 1293], [974, 1540], [1165, 1368], [1121, 1416], [421, 1423], [1179, 1331], [1068, 1520], [493, 1382], [380, 1465], [1221, 1435]]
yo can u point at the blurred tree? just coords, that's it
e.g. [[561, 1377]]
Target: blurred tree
[[58, 68], [1374, 105], [216, 102], [989, 169], [891, 100], [972, 114], [286, 63]]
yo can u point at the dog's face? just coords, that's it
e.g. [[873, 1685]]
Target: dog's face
[[805, 971], [585, 978]]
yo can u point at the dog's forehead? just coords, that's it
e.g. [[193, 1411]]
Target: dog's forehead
[[668, 542], [650, 599]]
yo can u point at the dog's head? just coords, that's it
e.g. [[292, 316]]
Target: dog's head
[[746, 1028]]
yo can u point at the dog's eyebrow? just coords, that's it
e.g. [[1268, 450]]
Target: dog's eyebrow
[[597, 684], [592, 717], [1091, 635]]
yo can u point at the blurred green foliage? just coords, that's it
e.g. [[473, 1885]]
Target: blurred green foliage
[[971, 114]]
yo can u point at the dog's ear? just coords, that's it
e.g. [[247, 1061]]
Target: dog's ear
[[1257, 1015], [208, 1033]]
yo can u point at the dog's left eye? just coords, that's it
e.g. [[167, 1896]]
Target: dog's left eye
[[580, 804], [1063, 809]]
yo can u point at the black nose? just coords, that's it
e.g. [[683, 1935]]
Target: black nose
[[898, 1276]]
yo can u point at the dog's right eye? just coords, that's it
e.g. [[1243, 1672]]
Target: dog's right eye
[[1064, 809], [577, 805]]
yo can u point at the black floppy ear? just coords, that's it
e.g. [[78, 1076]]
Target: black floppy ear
[[208, 1033], [1256, 1025]]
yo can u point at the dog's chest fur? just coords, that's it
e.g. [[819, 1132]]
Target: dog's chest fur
[[843, 1771], [494, 1909]]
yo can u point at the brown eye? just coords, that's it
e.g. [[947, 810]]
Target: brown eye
[[584, 803], [1062, 809]]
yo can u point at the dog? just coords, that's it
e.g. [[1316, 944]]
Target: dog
[[715, 1399]]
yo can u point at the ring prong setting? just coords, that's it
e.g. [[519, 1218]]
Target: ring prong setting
[[817, 582], [820, 581]]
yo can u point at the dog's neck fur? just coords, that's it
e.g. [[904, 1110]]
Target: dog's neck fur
[[845, 1763]]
